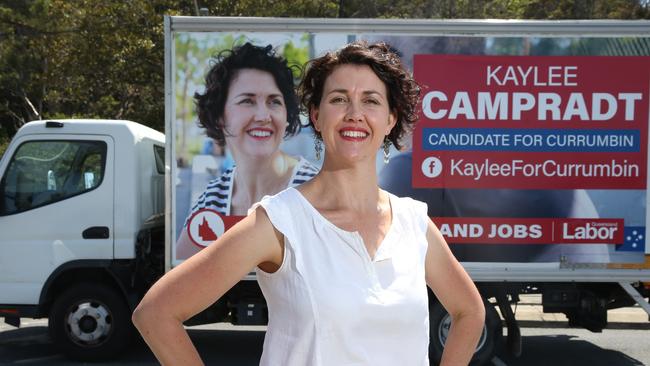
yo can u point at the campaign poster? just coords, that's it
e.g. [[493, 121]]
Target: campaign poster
[[540, 133], [527, 150]]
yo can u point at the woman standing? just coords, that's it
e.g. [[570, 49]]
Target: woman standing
[[250, 106], [344, 266]]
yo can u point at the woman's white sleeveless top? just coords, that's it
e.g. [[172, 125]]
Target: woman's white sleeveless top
[[330, 304]]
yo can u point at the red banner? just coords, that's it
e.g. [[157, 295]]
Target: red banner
[[531, 122], [477, 230]]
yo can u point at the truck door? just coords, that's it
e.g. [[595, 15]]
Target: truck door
[[56, 205]]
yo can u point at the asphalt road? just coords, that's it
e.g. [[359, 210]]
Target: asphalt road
[[221, 344]]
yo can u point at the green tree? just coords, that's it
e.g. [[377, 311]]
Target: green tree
[[61, 58], [21, 65], [584, 9]]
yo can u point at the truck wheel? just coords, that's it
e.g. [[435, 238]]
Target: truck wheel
[[90, 322], [440, 323]]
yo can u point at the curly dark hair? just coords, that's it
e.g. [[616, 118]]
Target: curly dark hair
[[403, 90], [210, 105]]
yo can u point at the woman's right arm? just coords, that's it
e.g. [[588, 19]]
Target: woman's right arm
[[199, 282]]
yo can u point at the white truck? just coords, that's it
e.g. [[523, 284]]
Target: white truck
[[75, 194], [88, 221]]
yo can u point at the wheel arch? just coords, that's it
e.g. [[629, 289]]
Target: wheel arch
[[70, 273]]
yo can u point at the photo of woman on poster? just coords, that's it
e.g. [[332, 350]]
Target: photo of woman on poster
[[250, 106]]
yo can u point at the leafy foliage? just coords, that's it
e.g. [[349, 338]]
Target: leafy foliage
[[82, 58]]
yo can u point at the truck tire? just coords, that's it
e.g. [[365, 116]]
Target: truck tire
[[90, 322], [440, 322]]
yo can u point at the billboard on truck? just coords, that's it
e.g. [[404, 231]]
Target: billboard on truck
[[529, 149]]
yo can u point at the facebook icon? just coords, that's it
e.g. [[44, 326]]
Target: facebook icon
[[431, 167]]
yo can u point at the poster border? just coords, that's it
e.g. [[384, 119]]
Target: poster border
[[449, 27]]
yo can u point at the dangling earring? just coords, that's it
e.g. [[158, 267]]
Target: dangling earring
[[386, 150], [318, 146]]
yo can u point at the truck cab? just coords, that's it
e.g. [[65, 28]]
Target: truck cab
[[74, 194]]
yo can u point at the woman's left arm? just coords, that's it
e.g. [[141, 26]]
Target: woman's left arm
[[457, 293]]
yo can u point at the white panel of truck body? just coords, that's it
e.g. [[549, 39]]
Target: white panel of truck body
[[480, 272], [425, 27], [550, 272], [36, 242]]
